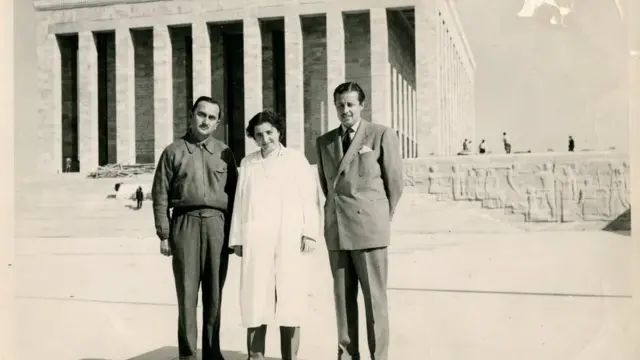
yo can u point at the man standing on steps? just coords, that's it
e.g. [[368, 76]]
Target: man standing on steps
[[361, 176], [196, 176]]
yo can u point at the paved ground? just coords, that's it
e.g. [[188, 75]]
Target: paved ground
[[463, 285]]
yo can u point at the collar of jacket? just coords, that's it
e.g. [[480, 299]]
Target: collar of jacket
[[257, 155], [192, 144]]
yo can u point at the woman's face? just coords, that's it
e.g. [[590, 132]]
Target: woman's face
[[266, 136]]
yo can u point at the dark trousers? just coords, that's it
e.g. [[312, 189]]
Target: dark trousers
[[199, 258], [289, 342], [369, 268], [139, 203]]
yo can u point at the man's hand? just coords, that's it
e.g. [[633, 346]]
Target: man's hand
[[237, 249], [165, 248], [307, 244]]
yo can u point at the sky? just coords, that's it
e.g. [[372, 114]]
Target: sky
[[541, 83], [537, 82]]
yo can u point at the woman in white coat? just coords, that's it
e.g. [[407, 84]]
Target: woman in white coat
[[276, 220]]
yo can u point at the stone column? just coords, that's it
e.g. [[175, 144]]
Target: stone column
[[426, 22], [380, 99], [252, 73], [49, 112], [412, 124], [402, 112], [162, 90], [87, 102], [405, 116], [201, 59], [125, 97], [335, 61], [394, 98], [294, 81]]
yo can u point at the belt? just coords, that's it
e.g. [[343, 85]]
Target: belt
[[198, 211]]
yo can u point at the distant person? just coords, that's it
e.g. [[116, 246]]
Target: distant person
[[139, 197], [67, 164], [482, 147], [465, 145], [507, 144], [572, 144]]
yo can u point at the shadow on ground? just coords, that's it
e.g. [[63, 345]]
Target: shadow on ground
[[621, 224], [171, 353]]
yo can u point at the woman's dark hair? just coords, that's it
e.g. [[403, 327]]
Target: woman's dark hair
[[265, 116], [348, 87]]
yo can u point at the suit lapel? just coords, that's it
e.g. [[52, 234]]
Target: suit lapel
[[334, 147], [356, 143]]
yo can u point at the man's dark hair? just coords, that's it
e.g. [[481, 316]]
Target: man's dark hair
[[348, 87], [265, 116], [209, 100]]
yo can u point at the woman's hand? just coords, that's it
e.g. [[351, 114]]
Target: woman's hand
[[307, 244], [237, 249]]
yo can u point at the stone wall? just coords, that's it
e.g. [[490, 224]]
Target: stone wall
[[542, 187], [143, 49], [107, 142], [181, 52], [69, 92]]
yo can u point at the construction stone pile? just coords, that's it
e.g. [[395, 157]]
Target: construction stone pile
[[119, 170]]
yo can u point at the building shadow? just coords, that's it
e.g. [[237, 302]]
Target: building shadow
[[621, 224], [171, 353]]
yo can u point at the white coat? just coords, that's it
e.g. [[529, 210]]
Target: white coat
[[276, 203]]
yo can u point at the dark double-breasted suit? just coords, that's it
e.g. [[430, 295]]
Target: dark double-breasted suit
[[362, 188]]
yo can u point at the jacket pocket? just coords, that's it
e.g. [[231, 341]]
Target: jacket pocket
[[368, 164]]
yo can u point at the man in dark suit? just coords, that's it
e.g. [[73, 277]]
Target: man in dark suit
[[361, 176]]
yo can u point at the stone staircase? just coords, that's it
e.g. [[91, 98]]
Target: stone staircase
[[68, 206]]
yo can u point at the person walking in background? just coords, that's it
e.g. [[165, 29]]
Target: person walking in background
[[572, 143], [139, 197], [482, 147], [360, 171], [196, 176], [507, 144], [276, 221], [465, 146]]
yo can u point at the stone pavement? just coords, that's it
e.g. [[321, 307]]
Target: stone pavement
[[461, 286]]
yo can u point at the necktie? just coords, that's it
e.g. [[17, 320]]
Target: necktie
[[346, 140]]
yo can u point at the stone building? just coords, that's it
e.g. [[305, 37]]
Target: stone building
[[116, 78]]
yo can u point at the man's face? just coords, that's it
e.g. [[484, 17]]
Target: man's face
[[266, 136], [204, 119], [348, 108]]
